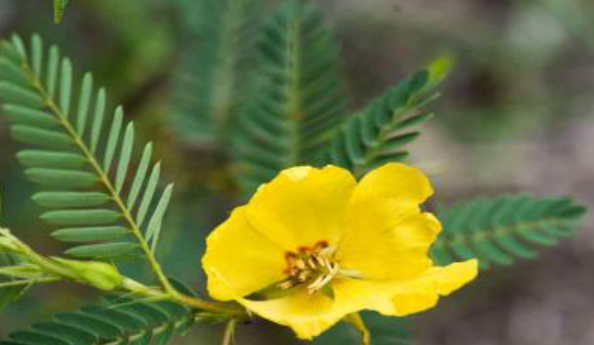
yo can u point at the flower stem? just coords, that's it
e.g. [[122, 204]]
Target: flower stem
[[228, 336], [229, 310]]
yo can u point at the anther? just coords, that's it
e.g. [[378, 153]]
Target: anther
[[300, 264], [312, 266]]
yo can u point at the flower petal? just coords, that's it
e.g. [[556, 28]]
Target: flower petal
[[400, 298], [402, 184], [302, 206], [387, 237], [240, 260], [307, 314], [389, 248]]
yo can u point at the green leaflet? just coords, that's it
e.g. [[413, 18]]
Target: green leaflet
[[29, 116], [84, 177], [378, 134], [71, 199], [81, 217], [59, 8], [51, 159], [115, 321], [9, 294], [298, 99], [118, 250], [499, 230], [107, 233]]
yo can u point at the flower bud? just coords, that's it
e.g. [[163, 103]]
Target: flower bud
[[8, 243], [98, 274]]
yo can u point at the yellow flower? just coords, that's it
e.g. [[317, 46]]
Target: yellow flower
[[313, 246]]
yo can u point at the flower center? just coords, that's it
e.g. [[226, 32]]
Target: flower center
[[312, 266]]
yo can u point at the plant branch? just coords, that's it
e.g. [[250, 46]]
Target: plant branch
[[229, 310], [29, 281]]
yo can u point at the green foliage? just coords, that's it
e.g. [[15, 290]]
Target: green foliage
[[384, 331], [378, 133], [115, 321], [82, 171], [291, 111], [8, 293], [298, 100], [210, 81], [496, 231], [59, 8]]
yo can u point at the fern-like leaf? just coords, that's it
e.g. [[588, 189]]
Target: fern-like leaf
[[83, 172], [379, 132], [210, 80], [298, 100], [499, 230], [384, 331], [115, 321]]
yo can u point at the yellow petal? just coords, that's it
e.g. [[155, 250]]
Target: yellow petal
[[402, 184], [386, 236], [400, 298], [389, 248], [308, 315], [240, 260], [302, 206]]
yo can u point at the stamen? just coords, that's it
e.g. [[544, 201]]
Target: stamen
[[313, 266]]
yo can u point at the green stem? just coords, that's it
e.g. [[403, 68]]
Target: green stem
[[230, 310], [29, 281], [229, 332]]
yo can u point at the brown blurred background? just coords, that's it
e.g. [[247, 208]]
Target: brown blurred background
[[515, 115]]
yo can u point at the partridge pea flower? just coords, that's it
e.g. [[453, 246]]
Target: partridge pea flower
[[313, 246]]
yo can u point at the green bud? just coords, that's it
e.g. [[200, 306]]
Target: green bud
[[98, 274]]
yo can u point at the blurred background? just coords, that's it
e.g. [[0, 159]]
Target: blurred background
[[515, 115]]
